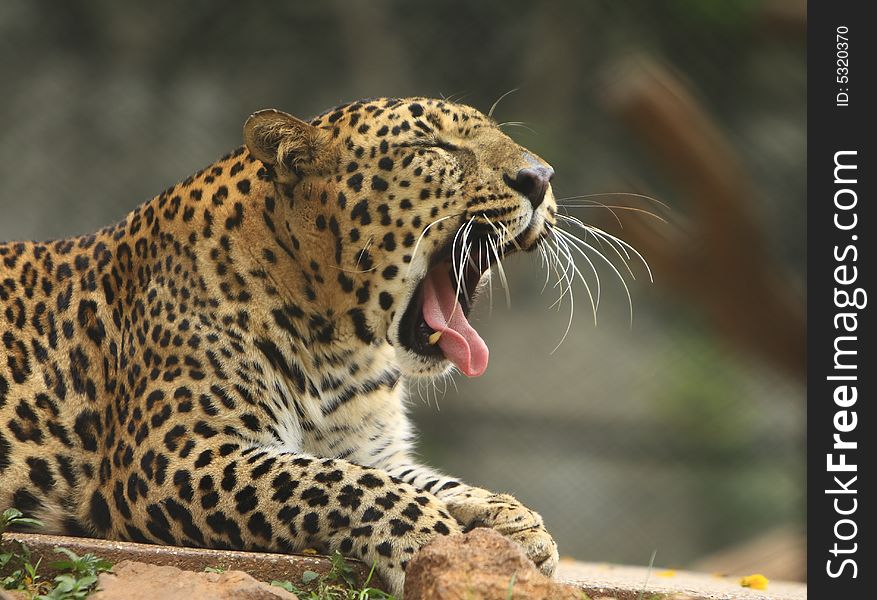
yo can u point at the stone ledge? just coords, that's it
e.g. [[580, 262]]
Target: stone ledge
[[626, 583], [261, 565], [597, 580]]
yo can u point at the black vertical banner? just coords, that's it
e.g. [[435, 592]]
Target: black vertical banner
[[841, 437]]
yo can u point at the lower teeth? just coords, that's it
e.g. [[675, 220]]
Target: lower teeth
[[434, 338]]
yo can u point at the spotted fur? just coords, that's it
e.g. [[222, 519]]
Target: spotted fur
[[223, 367]]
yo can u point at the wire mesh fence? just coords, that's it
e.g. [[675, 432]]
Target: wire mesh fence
[[665, 434]]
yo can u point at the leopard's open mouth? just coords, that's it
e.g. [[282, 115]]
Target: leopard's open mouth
[[435, 323]]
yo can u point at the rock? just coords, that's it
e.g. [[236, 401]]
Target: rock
[[15, 595], [139, 581], [479, 565]]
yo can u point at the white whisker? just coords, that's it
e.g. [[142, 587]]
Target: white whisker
[[601, 194], [501, 271], [512, 239], [546, 264], [498, 100], [423, 233], [599, 235], [466, 254], [482, 252], [612, 208], [561, 271], [571, 304], [569, 256], [361, 252], [517, 124], [459, 272], [590, 263], [624, 244], [587, 246]]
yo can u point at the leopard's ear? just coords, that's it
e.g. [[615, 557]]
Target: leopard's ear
[[288, 144]]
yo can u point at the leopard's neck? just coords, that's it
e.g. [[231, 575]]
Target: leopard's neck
[[266, 273]]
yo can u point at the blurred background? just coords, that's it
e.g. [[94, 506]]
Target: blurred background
[[682, 432]]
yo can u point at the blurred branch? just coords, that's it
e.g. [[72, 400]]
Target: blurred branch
[[719, 260]]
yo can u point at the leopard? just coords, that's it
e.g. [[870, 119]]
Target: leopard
[[226, 367]]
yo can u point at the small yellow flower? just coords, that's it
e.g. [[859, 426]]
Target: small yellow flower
[[756, 581], [309, 551], [667, 573]]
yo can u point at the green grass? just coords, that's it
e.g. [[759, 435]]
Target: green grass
[[77, 575], [511, 589], [216, 569], [17, 570], [339, 583], [13, 516]]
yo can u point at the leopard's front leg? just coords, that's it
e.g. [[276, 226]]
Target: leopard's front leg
[[476, 507], [223, 495]]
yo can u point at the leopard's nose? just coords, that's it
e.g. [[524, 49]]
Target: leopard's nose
[[532, 182]]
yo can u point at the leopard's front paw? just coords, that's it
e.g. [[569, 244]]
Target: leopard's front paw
[[502, 512], [539, 547]]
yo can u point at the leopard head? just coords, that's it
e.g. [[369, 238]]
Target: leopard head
[[405, 205]]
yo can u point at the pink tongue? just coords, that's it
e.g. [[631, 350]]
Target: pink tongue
[[459, 341]]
